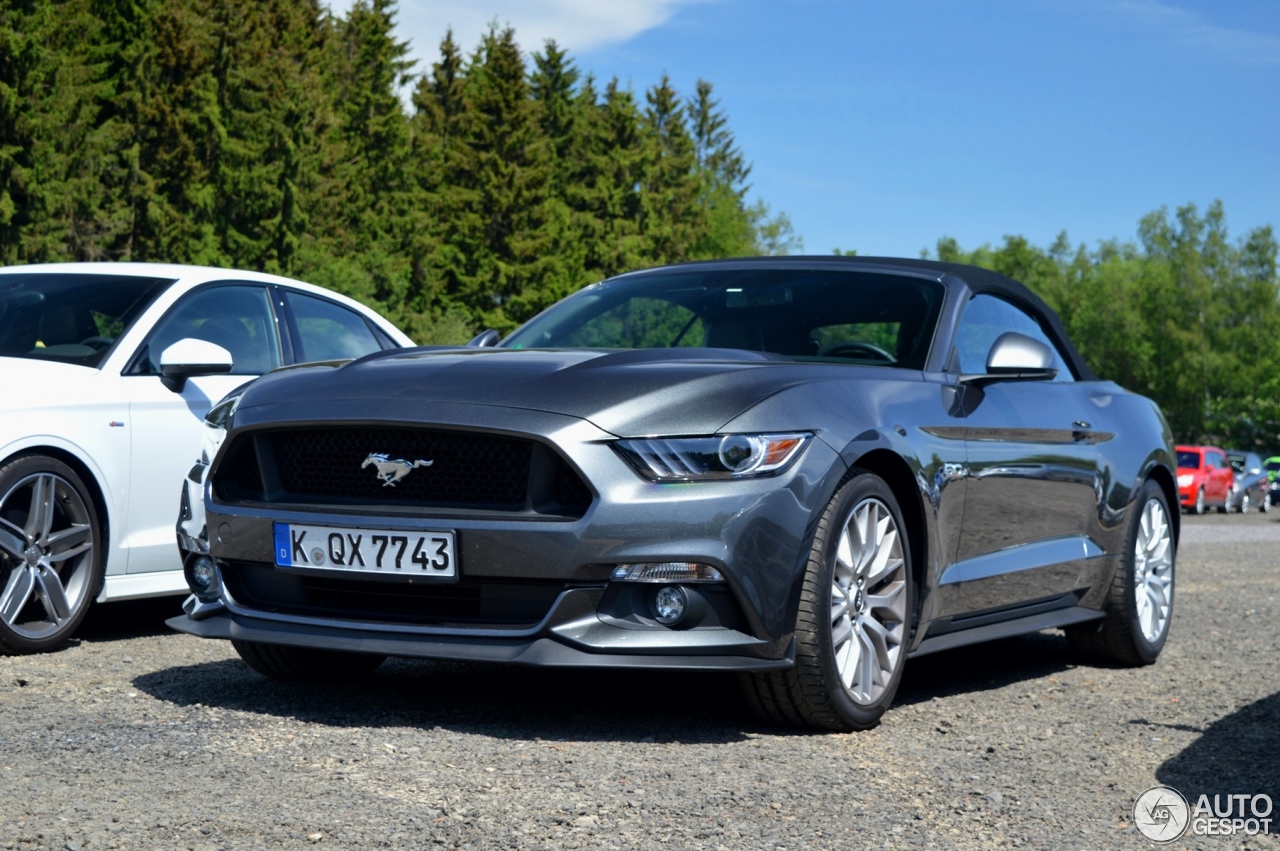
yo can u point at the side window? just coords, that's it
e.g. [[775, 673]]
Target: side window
[[236, 317], [1215, 461], [640, 323], [985, 319], [329, 331]]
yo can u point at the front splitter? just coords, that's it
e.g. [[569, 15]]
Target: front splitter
[[540, 651]]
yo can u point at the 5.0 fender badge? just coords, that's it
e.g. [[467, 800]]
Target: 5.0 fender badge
[[391, 470]]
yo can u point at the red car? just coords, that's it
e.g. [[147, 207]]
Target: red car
[[1204, 478]]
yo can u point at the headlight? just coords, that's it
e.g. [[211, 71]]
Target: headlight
[[1184, 481], [720, 456]]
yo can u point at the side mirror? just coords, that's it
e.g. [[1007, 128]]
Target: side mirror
[[189, 357], [1015, 357], [486, 339]]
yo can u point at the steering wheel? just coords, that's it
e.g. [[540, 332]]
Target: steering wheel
[[857, 350], [98, 343]]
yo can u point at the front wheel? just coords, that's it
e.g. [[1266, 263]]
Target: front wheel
[[853, 621], [51, 560], [1199, 507], [1245, 503], [306, 664], [1139, 603]]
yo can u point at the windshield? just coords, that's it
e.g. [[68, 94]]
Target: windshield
[[804, 314], [1189, 460], [68, 317], [1237, 462]]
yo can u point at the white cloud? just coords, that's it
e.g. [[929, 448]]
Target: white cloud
[[1191, 29], [576, 25]]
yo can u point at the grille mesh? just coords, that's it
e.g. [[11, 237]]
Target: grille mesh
[[466, 469], [466, 602]]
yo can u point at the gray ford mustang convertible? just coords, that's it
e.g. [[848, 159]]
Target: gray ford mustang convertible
[[803, 470]]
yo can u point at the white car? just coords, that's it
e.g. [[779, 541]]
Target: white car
[[106, 372]]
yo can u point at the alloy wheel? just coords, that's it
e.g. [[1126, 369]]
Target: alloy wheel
[[1153, 570], [46, 555], [868, 601]]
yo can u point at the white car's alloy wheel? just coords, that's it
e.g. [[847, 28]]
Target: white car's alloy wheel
[[49, 563]]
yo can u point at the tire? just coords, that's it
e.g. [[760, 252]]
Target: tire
[[1129, 635], [51, 558], [1245, 502], [1264, 503], [1199, 507], [306, 664], [854, 618]]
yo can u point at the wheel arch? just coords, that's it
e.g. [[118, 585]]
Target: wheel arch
[[86, 474], [897, 474], [1162, 477]]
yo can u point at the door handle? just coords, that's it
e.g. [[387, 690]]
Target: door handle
[[1080, 432]]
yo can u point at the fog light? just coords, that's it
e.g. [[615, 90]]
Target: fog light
[[666, 571], [202, 577], [669, 604]]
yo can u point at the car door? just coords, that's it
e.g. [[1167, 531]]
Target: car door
[[1220, 476], [1030, 484], [165, 425]]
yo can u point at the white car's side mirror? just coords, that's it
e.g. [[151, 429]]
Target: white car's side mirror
[[189, 357]]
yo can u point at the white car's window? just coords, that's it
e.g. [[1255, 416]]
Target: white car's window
[[73, 318], [328, 331], [236, 317], [985, 319]]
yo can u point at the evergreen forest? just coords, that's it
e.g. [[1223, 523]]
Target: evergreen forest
[[274, 135]]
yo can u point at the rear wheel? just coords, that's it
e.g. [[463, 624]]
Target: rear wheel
[[853, 620], [306, 664], [1264, 502], [1139, 603], [51, 560]]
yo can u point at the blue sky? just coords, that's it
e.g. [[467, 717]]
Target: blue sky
[[882, 126]]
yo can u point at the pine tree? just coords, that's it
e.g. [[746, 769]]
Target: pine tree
[[507, 274], [371, 175], [610, 190], [672, 219], [274, 112]]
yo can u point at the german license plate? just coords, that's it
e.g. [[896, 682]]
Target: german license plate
[[389, 553]]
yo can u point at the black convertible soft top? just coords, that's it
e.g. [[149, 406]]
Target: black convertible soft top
[[977, 279]]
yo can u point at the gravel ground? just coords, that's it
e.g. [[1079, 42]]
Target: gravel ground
[[135, 737]]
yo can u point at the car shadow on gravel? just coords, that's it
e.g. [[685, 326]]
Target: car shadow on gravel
[[1236, 754], [577, 705], [982, 667], [493, 700], [129, 619]]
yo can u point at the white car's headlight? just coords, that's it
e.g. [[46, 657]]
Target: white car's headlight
[[1184, 481], [719, 456]]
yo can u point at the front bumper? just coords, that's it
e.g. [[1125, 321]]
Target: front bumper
[[756, 532]]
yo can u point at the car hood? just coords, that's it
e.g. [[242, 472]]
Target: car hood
[[626, 393], [40, 384]]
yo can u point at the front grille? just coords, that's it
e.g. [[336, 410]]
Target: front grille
[[490, 602], [408, 467], [464, 468]]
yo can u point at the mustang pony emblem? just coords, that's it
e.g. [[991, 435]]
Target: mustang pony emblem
[[392, 470]]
